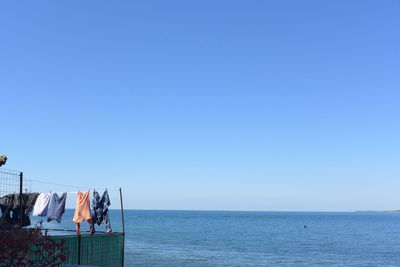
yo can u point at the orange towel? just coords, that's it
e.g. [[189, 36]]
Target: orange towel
[[82, 211]]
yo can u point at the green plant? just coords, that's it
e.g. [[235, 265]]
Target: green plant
[[29, 247]]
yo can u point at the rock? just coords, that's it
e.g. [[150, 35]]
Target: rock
[[3, 160]]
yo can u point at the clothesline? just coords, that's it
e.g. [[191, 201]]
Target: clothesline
[[76, 192], [72, 186], [53, 207], [49, 200]]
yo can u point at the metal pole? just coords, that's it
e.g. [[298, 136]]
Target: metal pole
[[122, 210], [123, 227], [79, 249], [21, 178]]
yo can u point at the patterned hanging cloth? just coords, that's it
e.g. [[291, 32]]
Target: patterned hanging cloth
[[100, 210]]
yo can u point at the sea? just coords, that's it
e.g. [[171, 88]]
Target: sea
[[249, 238]]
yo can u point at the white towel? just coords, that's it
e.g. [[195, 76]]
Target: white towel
[[41, 205]]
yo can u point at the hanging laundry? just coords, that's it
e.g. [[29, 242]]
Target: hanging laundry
[[100, 210], [56, 207], [41, 205], [82, 211], [11, 210]]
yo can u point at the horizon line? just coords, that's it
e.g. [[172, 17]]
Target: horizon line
[[218, 210]]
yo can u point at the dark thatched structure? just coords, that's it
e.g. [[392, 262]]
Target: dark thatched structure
[[3, 160]]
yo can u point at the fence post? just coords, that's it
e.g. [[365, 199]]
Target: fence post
[[79, 249], [123, 227], [21, 178]]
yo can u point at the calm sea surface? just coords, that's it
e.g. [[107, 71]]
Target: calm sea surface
[[218, 238]]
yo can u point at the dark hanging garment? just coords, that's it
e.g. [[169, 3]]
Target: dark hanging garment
[[100, 210], [11, 210], [56, 207]]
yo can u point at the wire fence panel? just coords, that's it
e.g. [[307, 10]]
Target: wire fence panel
[[9, 182], [72, 249], [103, 250]]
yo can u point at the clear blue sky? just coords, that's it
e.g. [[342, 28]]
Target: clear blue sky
[[232, 105]]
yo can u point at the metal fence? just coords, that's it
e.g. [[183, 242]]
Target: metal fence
[[103, 250], [99, 249], [10, 182]]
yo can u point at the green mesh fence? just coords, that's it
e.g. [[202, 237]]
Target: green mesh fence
[[105, 250], [72, 248], [102, 250]]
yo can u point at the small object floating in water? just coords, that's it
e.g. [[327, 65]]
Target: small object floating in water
[[305, 226]]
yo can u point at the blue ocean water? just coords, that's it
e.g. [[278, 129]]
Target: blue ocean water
[[225, 238]]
